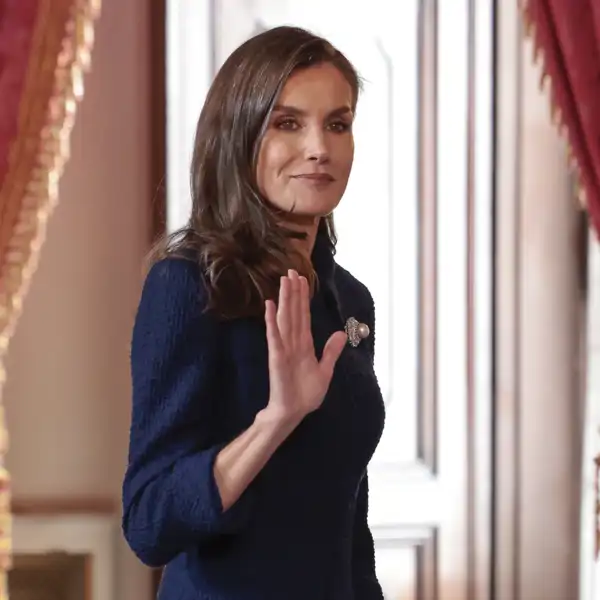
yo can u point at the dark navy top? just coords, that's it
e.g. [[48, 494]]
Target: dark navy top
[[299, 531]]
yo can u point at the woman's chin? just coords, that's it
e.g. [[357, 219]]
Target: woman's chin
[[316, 207], [306, 209]]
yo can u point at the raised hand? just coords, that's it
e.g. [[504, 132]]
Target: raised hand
[[298, 381]]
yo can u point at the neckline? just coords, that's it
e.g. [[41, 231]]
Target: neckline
[[322, 258], [324, 265]]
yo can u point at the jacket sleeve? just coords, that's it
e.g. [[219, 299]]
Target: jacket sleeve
[[365, 582], [170, 497]]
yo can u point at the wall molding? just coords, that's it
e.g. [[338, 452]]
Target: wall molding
[[54, 506]]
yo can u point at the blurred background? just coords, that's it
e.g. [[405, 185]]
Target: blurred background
[[465, 194]]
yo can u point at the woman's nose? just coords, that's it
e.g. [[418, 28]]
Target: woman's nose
[[316, 147]]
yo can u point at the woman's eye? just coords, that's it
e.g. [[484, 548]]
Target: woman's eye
[[339, 126], [287, 124]]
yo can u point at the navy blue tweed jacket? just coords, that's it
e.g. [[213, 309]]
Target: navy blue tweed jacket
[[300, 531]]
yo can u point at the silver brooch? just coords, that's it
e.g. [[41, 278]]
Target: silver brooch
[[356, 331]]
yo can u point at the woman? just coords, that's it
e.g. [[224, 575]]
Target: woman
[[255, 404]]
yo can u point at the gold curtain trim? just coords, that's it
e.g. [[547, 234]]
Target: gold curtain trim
[[60, 54], [547, 86]]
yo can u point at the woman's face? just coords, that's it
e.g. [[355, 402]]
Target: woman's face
[[306, 154]]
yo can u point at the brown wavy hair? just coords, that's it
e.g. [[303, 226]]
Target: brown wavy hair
[[237, 237]]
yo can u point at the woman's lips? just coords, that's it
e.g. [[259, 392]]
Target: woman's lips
[[315, 179]]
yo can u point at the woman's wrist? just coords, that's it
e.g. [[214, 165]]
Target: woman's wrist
[[278, 423]]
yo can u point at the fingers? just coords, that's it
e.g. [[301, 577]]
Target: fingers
[[333, 348], [294, 308], [293, 313], [284, 317], [306, 340], [274, 341]]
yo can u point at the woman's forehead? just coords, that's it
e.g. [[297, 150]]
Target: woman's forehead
[[322, 85]]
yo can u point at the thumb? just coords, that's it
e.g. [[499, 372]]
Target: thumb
[[333, 348]]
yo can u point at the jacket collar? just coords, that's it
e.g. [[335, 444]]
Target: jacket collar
[[324, 265], [322, 258]]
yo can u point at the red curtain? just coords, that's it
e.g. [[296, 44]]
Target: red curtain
[[44, 49], [566, 34]]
